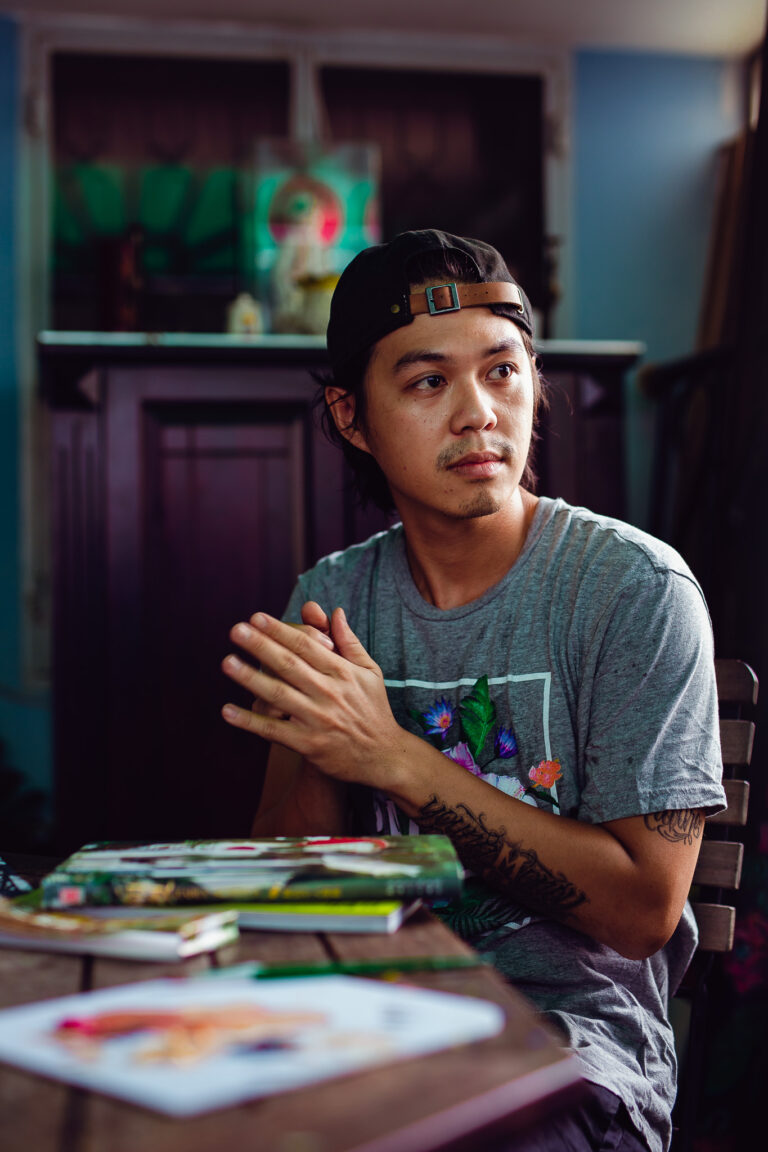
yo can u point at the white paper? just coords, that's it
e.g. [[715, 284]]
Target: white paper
[[229, 1040]]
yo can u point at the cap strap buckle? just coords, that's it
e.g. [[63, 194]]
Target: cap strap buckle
[[436, 308]]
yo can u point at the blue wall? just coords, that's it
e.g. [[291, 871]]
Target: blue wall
[[646, 133], [24, 716]]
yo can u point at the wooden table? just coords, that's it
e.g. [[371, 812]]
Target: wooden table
[[463, 1097]]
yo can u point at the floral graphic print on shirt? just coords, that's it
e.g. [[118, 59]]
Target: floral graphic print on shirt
[[467, 729]]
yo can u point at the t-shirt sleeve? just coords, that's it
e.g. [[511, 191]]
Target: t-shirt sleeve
[[310, 585], [652, 736]]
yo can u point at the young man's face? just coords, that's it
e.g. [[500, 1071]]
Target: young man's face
[[449, 413]]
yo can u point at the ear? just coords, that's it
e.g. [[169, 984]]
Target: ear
[[341, 406]]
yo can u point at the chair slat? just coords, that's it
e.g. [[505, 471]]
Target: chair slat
[[736, 740], [719, 864], [718, 870], [737, 799], [716, 923], [736, 682]]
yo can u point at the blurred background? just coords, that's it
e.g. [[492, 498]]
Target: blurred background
[[180, 186]]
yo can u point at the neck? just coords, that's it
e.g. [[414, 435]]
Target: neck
[[454, 562]]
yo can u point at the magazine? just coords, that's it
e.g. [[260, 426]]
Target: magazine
[[156, 935], [302, 869], [183, 1047]]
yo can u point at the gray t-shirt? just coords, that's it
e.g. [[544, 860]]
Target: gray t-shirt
[[582, 682]]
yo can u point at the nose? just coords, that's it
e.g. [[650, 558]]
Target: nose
[[472, 410]]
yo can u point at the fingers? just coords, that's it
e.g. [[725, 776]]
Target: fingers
[[312, 614], [288, 658], [274, 696], [268, 727], [300, 670], [285, 650], [319, 630], [347, 644], [261, 706], [293, 653]]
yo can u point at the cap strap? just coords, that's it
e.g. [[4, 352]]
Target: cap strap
[[452, 297]]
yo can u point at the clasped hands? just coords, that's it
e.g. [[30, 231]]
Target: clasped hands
[[318, 692]]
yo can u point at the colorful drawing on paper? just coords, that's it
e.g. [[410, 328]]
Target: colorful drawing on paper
[[184, 1047]]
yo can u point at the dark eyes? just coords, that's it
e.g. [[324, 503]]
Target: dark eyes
[[431, 383], [502, 372]]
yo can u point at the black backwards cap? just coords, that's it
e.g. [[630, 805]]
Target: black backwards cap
[[373, 296]]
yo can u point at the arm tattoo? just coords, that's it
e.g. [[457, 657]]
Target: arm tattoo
[[501, 862], [675, 826]]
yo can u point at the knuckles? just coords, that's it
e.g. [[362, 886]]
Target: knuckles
[[278, 694], [303, 642]]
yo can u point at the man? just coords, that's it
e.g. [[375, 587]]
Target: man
[[530, 679]]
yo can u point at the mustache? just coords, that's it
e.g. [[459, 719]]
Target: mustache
[[454, 452]]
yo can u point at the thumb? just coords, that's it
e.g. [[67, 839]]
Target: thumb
[[347, 644]]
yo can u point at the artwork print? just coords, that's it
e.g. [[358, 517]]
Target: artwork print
[[184, 1047], [314, 208]]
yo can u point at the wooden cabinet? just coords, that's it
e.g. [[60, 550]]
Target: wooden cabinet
[[189, 486], [581, 454]]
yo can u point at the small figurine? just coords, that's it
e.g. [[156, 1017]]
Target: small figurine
[[244, 316]]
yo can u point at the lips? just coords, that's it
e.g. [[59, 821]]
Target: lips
[[477, 458], [477, 466]]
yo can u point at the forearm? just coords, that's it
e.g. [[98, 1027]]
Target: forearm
[[565, 869], [298, 800]]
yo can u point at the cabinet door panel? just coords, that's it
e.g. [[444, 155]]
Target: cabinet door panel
[[214, 510], [225, 530], [225, 508]]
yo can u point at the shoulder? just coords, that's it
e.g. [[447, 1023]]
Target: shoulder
[[604, 545], [618, 581], [359, 557], [351, 570]]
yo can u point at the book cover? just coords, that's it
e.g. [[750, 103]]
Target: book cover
[[384, 916], [157, 934], [183, 1047], [281, 868]]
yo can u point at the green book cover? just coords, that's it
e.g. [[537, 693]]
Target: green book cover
[[324, 868]]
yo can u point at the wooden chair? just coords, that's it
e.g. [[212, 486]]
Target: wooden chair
[[717, 877]]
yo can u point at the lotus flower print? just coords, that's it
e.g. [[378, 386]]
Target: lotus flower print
[[438, 718], [462, 755], [505, 744]]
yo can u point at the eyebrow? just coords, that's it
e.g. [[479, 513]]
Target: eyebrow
[[428, 356]]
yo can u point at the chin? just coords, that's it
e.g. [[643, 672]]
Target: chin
[[483, 504]]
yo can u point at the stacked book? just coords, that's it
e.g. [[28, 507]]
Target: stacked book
[[125, 896], [123, 933]]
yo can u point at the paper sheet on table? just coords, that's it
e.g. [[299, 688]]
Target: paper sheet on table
[[184, 1047]]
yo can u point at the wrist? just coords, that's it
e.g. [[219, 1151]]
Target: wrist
[[409, 770]]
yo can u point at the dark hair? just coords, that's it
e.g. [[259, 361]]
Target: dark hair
[[370, 481]]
